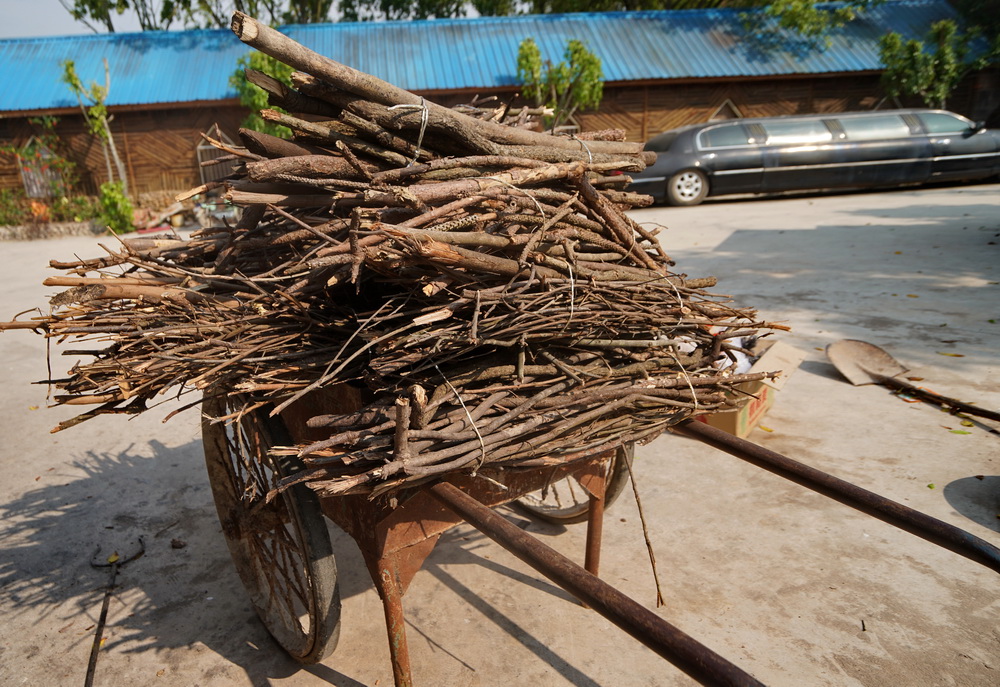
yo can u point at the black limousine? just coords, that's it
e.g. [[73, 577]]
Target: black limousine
[[803, 152]]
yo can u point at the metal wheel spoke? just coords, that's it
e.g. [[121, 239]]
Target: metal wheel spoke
[[277, 600], [566, 501], [281, 548], [289, 563], [284, 562]]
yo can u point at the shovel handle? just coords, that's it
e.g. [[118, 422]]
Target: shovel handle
[[937, 399], [95, 649]]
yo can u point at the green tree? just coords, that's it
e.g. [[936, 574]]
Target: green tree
[[160, 15], [932, 68], [163, 14], [152, 14], [255, 98], [115, 207], [813, 19], [362, 10], [95, 114], [395, 10], [576, 82], [564, 6], [981, 15]]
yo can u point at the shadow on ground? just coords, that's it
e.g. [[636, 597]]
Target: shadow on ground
[[932, 283], [183, 592], [977, 498]]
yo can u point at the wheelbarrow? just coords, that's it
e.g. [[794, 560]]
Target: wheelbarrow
[[284, 557]]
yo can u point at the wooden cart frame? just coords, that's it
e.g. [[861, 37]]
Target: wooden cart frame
[[284, 558]]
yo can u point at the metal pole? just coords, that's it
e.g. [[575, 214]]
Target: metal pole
[[695, 659], [387, 583], [595, 532], [924, 526]]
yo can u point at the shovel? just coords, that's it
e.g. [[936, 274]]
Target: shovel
[[865, 363], [114, 562]]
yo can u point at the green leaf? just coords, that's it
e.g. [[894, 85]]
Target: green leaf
[[253, 97], [116, 208], [576, 82], [929, 69]]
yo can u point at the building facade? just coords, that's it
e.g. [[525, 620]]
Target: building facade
[[662, 69]]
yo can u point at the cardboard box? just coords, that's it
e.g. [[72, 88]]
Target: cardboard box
[[778, 356]]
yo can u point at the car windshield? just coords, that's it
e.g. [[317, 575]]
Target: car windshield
[[944, 123]]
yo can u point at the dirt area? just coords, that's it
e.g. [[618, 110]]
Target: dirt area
[[789, 585]]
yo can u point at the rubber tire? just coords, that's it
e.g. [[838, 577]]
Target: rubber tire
[[298, 511], [688, 187], [617, 479]]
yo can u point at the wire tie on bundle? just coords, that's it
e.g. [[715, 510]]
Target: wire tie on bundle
[[511, 186], [424, 117], [482, 444], [590, 156]]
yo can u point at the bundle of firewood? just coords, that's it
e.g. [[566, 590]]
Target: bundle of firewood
[[478, 288]]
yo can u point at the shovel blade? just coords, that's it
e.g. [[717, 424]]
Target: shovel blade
[[861, 362]]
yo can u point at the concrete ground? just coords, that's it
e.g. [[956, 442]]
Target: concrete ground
[[792, 587]]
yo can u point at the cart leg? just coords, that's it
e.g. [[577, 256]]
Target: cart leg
[[595, 530], [596, 486], [387, 582]]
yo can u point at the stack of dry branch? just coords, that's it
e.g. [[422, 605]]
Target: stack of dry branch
[[480, 287]]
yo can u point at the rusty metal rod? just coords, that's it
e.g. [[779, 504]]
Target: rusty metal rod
[[387, 583], [924, 526], [595, 533], [692, 657]]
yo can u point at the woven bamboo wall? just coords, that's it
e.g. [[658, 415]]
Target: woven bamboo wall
[[157, 147], [645, 111]]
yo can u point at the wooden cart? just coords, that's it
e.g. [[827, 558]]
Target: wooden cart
[[284, 557]]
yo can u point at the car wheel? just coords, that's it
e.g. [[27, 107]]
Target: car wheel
[[687, 188]]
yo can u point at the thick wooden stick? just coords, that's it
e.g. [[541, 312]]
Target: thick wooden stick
[[303, 165], [283, 48], [456, 131], [274, 147], [323, 133]]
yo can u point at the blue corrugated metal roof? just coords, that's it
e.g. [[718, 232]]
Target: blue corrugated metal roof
[[146, 68], [446, 54]]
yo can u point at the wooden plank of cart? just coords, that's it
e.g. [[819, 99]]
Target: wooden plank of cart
[[283, 553]]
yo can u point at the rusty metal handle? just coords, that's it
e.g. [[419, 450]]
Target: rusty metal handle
[[695, 659], [953, 404], [913, 521]]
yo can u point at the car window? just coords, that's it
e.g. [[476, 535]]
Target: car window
[[944, 123], [723, 136], [874, 127], [661, 143], [797, 131]]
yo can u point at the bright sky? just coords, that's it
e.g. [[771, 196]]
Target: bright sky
[[27, 18]]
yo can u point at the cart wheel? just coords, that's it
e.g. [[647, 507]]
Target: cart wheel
[[566, 502], [281, 549]]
